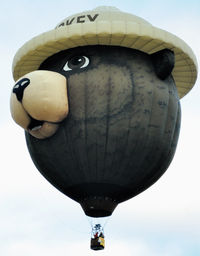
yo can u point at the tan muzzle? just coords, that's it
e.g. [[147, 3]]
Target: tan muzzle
[[39, 102]]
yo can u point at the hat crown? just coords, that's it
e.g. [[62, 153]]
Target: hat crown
[[102, 14]]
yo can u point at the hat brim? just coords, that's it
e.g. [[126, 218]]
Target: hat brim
[[129, 34]]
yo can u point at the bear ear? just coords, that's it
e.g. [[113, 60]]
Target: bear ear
[[163, 62]]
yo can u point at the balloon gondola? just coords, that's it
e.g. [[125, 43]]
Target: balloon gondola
[[97, 238]]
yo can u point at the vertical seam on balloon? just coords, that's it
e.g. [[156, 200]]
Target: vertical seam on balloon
[[162, 131], [147, 125], [174, 129], [107, 124], [85, 122], [129, 122], [166, 160], [96, 151], [147, 140], [68, 135]]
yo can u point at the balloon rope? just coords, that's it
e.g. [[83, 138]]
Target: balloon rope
[[89, 220], [106, 222]]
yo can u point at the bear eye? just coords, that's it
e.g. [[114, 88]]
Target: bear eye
[[76, 62]]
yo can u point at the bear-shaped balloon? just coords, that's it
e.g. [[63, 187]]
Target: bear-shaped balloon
[[102, 119]]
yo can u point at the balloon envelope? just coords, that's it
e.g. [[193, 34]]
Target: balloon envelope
[[121, 131]]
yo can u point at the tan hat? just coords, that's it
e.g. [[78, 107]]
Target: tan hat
[[108, 26]]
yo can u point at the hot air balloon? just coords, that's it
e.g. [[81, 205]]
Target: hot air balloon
[[98, 97]]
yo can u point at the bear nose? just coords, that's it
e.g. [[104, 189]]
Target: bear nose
[[19, 87]]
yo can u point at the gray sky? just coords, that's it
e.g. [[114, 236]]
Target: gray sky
[[35, 218]]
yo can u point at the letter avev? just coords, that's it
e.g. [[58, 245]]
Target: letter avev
[[79, 19]]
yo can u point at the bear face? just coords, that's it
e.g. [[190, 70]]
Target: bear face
[[104, 70]]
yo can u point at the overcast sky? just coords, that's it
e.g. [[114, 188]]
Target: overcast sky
[[35, 218]]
